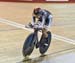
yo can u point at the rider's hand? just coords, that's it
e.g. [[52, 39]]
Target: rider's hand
[[29, 25], [40, 26], [35, 26], [45, 26], [32, 23]]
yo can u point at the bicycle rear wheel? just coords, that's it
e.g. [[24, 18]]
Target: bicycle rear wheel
[[45, 43]]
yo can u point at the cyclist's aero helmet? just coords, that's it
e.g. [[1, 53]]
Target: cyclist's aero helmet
[[36, 11]]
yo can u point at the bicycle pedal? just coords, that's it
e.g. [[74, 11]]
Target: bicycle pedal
[[46, 44]]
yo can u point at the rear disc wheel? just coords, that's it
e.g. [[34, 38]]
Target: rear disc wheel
[[45, 43]]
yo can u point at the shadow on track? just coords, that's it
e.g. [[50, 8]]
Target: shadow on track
[[34, 60]]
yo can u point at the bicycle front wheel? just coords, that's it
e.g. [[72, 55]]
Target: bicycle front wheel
[[28, 45]]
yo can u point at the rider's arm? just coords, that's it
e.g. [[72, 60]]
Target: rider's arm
[[50, 20], [33, 19], [42, 23], [43, 20]]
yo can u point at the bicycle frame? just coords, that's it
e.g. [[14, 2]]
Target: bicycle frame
[[35, 37]]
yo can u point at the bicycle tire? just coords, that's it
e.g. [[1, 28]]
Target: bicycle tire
[[28, 46], [43, 48]]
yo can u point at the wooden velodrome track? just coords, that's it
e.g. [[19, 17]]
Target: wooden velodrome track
[[12, 38]]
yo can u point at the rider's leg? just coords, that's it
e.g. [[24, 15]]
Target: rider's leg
[[48, 23], [44, 32]]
